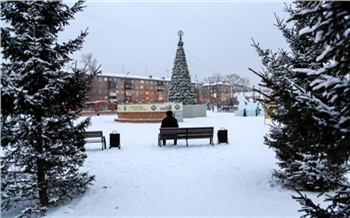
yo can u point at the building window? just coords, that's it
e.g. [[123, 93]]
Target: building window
[[142, 81]]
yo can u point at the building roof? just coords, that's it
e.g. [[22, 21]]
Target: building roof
[[217, 83], [133, 76]]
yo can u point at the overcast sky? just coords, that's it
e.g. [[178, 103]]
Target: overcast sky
[[141, 37]]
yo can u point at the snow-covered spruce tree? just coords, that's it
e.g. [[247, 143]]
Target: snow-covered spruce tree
[[330, 108], [181, 89], [302, 146], [42, 144]]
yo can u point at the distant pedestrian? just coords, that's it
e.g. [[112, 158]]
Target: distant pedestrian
[[169, 121], [244, 112]]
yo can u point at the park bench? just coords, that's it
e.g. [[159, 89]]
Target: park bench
[[186, 133], [95, 137]]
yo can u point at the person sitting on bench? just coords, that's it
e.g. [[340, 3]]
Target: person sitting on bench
[[169, 121]]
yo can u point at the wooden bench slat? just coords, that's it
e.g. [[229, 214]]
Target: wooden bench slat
[[92, 134]]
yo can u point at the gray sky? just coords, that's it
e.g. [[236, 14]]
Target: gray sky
[[141, 37]]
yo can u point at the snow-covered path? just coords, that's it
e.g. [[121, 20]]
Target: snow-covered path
[[142, 179]]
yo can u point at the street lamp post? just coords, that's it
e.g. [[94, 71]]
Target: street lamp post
[[125, 87]]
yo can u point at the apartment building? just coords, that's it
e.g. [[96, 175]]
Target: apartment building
[[116, 88], [217, 93], [108, 90]]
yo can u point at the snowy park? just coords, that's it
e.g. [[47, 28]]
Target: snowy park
[[48, 169], [143, 179]]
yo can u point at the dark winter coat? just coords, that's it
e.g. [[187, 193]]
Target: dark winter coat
[[169, 121]]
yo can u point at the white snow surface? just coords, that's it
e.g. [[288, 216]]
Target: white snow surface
[[143, 179]]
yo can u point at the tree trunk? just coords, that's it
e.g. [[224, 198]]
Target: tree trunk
[[43, 198]]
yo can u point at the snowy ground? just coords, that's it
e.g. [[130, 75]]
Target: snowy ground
[[142, 179]]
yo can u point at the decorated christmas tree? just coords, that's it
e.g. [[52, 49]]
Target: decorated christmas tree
[[181, 89]]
